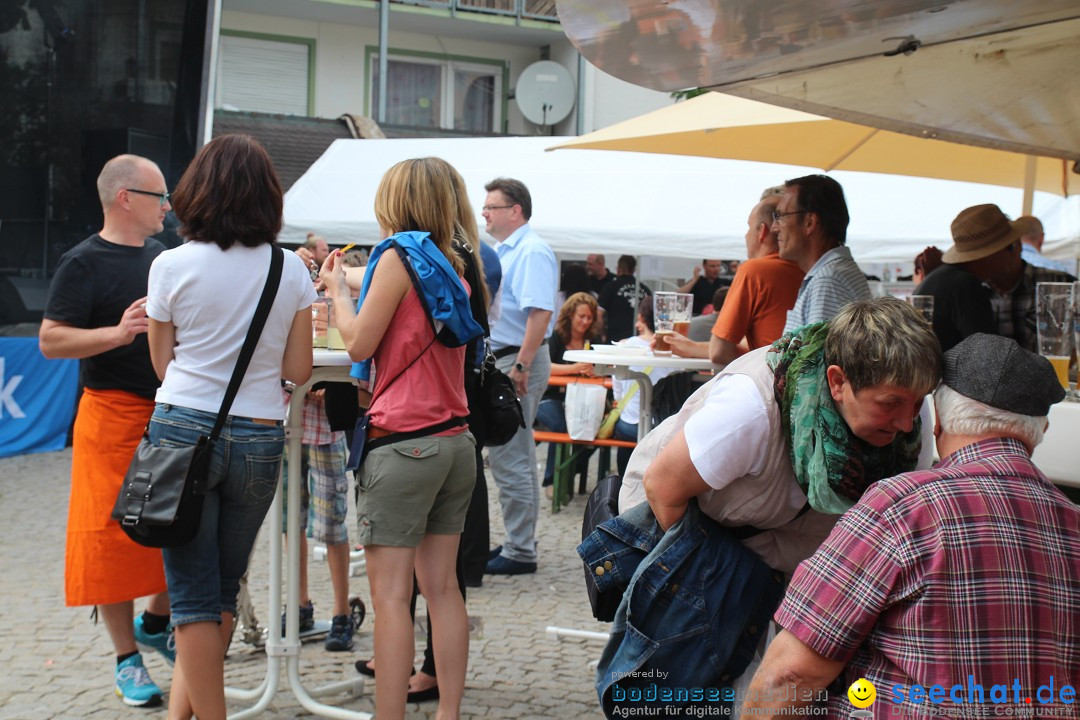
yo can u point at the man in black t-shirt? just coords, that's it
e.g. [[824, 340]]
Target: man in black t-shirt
[[96, 312], [599, 276], [618, 300], [704, 284]]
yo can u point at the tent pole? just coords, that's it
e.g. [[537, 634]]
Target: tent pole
[[384, 48], [1029, 184]]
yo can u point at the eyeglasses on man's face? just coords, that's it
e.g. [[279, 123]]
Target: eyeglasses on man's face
[[163, 197], [489, 208], [776, 216]]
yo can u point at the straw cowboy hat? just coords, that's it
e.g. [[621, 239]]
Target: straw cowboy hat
[[979, 232]]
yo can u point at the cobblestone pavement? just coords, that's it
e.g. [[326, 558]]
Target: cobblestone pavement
[[56, 663]]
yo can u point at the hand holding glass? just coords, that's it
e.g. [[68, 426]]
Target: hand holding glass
[[670, 308]]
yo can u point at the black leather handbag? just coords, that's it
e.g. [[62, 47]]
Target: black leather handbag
[[160, 502]]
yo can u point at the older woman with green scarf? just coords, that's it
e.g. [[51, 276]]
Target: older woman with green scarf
[[788, 437]]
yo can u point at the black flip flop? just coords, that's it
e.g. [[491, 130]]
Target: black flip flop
[[363, 669]]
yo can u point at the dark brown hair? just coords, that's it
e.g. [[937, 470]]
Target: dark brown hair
[[928, 260], [823, 196], [516, 193], [229, 194]]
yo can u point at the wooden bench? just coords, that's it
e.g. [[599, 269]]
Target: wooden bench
[[566, 460]]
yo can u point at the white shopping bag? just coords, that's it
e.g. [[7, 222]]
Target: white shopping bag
[[584, 409]]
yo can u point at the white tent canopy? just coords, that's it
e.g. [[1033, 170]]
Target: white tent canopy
[[647, 204]]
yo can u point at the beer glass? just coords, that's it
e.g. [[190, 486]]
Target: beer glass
[[671, 313], [1054, 320]]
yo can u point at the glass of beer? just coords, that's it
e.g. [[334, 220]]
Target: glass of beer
[[1054, 320], [684, 308], [1076, 337], [333, 334], [671, 313], [320, 317]]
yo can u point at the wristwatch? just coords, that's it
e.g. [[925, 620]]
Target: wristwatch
[[521, 367]]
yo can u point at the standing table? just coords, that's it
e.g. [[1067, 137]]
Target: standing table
[[1058, 455], [623, 366], [334, 366]]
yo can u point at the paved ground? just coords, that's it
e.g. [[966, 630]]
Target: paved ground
[[55, 663]]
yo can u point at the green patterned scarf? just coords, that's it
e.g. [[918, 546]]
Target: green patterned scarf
[[833, 467]]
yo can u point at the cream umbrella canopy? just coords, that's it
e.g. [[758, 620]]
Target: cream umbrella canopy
[[725, 126]]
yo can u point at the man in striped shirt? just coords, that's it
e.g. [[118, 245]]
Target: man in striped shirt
[[811, 222], [952, 590]]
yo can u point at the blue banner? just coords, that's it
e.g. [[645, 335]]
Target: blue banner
[[37, 398]]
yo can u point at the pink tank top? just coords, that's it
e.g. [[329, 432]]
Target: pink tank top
[[431, 390]]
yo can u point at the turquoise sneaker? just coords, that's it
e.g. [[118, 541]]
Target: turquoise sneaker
[[133, 684], [163, 642]]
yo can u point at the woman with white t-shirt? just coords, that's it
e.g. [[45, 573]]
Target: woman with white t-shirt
[[201, 299]]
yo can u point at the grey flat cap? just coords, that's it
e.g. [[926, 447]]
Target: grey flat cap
[[995, 370]]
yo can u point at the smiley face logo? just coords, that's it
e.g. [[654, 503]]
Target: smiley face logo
[[862, 693]]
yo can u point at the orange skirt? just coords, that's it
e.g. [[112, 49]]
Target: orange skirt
[[103, 565]]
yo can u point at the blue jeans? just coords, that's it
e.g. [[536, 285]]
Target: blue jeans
[[204, 575], [624, 431]]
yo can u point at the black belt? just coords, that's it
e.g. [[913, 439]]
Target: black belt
[[511, 350], [379, 439]]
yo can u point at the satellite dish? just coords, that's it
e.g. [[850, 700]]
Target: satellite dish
[[545, 93]]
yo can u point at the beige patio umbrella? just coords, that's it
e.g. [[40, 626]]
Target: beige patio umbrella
[[725, 126]]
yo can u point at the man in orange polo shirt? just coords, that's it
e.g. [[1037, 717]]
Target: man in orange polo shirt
[[764, 289]]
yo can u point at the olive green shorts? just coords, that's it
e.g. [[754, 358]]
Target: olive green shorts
[[415, 487]]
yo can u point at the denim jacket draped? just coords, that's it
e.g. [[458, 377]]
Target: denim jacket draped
[[695, 606]]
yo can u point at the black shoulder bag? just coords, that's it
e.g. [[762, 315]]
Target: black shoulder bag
[[602, 505], [160, 501], [494, 402], [499, 403]]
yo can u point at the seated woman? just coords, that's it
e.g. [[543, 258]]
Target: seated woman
[[578, 325], [787, 437], [626, 391]]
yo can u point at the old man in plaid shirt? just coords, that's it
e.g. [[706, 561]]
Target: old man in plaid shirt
[[952, 590]]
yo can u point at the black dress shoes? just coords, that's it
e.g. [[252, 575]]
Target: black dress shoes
[[505, 566]]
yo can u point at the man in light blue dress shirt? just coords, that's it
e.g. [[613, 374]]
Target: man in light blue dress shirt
[[811, 220], [1032, 236], [518, 339]]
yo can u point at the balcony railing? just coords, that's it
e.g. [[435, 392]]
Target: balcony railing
[[520, 9]]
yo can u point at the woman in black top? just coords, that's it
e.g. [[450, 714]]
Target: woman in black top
[[577, 326]]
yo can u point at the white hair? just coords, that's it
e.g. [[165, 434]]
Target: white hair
[[961, 415]]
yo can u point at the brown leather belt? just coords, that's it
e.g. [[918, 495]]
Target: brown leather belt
[[378, 432]]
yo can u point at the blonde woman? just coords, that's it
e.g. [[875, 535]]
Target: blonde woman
[[419, 468]]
